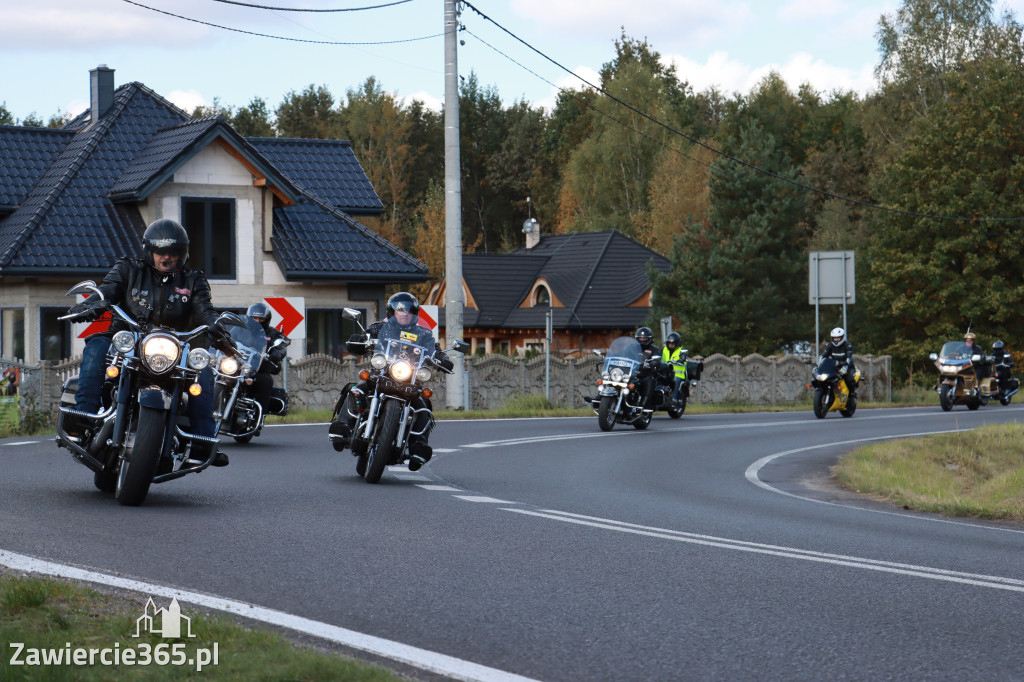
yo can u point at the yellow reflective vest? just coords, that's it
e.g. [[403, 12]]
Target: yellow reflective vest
[[676, 356]]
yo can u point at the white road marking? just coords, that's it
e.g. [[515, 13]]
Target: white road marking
[[481, 498], [21, 442], [447, 488], [978, 580], [396, 651], [437, 450], [411, 477]]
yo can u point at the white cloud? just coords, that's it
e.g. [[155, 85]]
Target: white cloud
[[429, 100], [812, 10], [68, 24], [187, 100]]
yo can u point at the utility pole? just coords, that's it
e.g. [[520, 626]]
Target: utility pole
[[454, 298]]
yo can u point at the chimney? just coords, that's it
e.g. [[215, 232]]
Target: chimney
[[101, 87], [532, 230]]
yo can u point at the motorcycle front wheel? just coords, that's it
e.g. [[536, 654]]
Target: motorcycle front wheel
[[851, 407], [946, 398], [136, 474], [605, 414], [381, 449], [820, 402]]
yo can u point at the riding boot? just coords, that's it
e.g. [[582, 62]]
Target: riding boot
[[419, 452], [341, 434]]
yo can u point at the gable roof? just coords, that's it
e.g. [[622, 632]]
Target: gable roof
[[68, 197], [325, 168], [598, 276]]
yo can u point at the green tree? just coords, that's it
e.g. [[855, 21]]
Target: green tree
[[308, 114], [482, 131], [253, 120], [6, 117], [929, 278], [738, 279]]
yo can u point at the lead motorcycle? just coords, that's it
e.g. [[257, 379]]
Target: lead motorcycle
[[141, 435], [958, 377], [830, 390], [618, 399], [399, 370], [235, 409]]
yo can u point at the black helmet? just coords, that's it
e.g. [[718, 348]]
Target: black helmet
[[165, 236], [674, 339], [998, 347], [403, 302], [644, 335], [260, 310]]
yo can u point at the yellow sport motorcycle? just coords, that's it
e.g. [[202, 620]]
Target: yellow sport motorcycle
[[830, 391]]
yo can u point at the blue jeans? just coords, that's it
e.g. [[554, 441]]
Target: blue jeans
[[90, 385], [678, 382]]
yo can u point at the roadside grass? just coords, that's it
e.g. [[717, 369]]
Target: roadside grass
[[977, 473], [43, 613]]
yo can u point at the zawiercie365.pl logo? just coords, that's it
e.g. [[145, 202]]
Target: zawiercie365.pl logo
[[167, 622]]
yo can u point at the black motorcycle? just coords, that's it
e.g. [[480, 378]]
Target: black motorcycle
[[236, 410], [665, 396], [141, 435], [618, 399], [1008, 386], [399, 371]]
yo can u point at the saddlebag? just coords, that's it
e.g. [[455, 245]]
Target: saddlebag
[[693, 369]]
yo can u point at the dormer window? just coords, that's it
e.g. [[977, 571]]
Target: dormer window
[[541, 297]]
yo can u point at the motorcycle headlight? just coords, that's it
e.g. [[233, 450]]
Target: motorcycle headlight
[[821, 377], [422, 374], [617, 374], [198, 358], [949, 369], [123, 342], [401, 371], [160, 352], [378, 361], [228, 365]]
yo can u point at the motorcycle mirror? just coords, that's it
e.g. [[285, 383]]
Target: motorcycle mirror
[[933, 356], [86, 287], [231, 319], [461, 346], [350, 313], [975, 358]]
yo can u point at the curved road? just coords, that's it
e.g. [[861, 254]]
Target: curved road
[[710, 547]]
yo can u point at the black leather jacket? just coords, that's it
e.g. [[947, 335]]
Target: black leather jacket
[[179, 300], [842, 354], [274, 355]]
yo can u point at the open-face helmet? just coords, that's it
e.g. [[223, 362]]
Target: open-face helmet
[[165, 236]]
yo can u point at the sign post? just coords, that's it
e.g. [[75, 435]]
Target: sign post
[[832, 282]]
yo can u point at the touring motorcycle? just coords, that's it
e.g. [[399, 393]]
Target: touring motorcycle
[[235, 409], [662, 398], [400, 370], [958, 367], [830, 390], [1008, 386], [141, 434], [618, 399]]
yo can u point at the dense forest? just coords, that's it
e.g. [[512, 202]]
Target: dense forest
[[922, 179]]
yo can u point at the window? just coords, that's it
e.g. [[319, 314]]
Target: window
[[541, 296], [54, 335], [210, 224], [327, 331], [12, 329]]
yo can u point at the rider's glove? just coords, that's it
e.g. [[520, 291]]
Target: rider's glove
[[277, 355], [88, 310], [357, 344], [442, 359], [272, 366]]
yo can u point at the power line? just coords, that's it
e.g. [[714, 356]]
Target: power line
[[721, 153], [265, 35], [295, 9]]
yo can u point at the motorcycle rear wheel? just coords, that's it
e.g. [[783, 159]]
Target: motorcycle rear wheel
[[677, 411], [605, 415], [243, 439], [383, 445], [135, 475], [643, 422], [105, 481], [820, 402]]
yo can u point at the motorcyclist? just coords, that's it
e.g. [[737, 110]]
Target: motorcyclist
[[841, 350], [159, 289], [402, 314], [974, 348], [649, 370], [263, 382], [673, 352], [1002, 358]]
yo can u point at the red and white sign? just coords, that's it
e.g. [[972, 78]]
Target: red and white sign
[[428, 318], [291, 315], [100, 324]]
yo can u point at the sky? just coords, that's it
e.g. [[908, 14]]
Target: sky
[[524, 49]]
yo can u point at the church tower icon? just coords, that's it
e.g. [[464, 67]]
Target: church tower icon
[[164, 622]]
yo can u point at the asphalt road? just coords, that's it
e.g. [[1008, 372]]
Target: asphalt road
[[710, 547]]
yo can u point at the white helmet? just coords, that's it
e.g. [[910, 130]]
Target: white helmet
[[838, 336]]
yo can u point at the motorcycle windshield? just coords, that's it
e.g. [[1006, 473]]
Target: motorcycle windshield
[[624, 354], [250, 341], [412, 344], [827, 366], [955, 353]]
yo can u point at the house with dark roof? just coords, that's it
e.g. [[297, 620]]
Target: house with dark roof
[[595, 285], [268, 219]]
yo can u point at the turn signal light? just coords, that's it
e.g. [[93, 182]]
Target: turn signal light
[[195, 389], [364, 374], [113, 371], [631, 386], [427, 393], [600, 381]]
